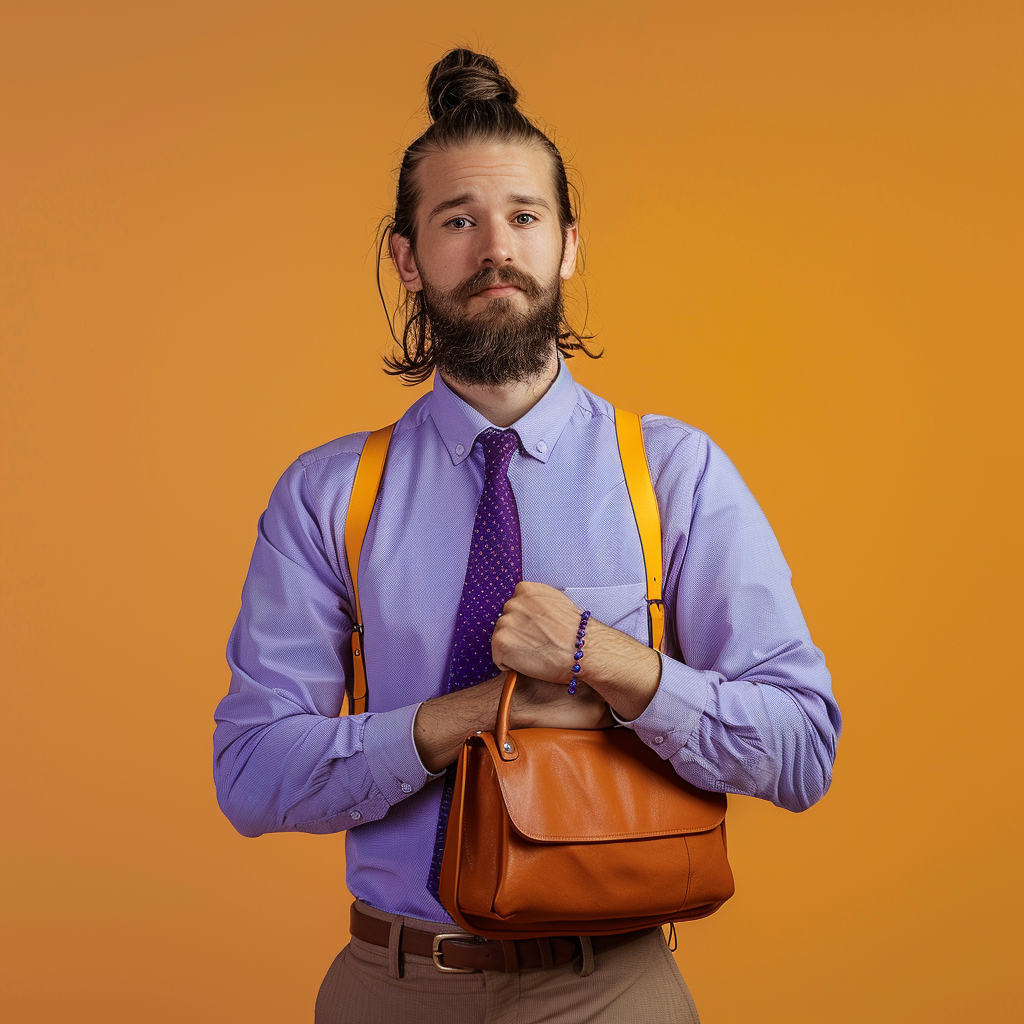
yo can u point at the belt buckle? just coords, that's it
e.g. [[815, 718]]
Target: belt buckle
[[436, 954]]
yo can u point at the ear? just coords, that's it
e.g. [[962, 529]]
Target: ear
[[401, 255], [572, 241]]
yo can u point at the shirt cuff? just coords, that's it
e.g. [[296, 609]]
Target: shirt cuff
[[391, 754], [670, 719]]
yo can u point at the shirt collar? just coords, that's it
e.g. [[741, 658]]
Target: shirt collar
[[459, 423]]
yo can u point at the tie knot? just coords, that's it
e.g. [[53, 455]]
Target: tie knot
[[498, 446]]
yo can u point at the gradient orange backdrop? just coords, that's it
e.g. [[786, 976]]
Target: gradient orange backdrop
[[803, 229]]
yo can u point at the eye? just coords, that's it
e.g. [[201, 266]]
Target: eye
[[519, 217], [457, 222]]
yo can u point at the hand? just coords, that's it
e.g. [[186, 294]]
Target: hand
[[537, 703], [536, 636], [536, 633]]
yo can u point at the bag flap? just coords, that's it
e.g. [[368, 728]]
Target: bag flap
[[597, 785]]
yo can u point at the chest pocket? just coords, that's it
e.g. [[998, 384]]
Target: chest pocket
[[623, 607]]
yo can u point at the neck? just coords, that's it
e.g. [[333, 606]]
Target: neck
[[504, 405]]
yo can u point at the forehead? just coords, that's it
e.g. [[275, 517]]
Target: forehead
[[488, 170]]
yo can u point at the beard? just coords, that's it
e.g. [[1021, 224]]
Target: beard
[[500, 344]]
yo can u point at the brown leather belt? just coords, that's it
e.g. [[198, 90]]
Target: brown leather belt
[[458, 952]]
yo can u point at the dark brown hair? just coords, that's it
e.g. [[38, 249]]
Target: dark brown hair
[[469, 99]]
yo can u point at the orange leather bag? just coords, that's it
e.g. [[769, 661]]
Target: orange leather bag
[[572, 831]]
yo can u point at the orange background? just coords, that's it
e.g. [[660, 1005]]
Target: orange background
[[803, 227]]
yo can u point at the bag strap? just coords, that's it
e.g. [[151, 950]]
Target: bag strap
[[369, 474], [645, 511]]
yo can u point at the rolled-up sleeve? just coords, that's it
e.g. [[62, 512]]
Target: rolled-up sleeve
[[745, 701], [282, 758]]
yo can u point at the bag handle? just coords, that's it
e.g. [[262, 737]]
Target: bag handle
[[369, 473], [507, 749]]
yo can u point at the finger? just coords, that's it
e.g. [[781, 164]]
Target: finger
[[497, 653]]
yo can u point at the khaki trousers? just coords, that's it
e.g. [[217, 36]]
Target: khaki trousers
[[637, 983]]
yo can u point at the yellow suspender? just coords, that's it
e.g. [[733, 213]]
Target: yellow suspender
[[645, 511], [370, 472]]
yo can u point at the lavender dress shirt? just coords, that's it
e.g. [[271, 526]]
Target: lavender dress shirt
[[744, 705]]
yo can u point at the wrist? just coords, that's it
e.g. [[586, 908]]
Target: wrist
[[442, 724], [600, 656], [624, 671]]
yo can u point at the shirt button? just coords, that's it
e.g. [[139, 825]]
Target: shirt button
[[354, 815], [406, 788], [659, 740], [459, 449], [541, 447]]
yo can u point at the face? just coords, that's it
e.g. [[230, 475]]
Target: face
[[490, 259]]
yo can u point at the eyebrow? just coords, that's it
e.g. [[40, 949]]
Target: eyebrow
[[468, 197]]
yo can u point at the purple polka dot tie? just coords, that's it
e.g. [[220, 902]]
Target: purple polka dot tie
[[495, 567]]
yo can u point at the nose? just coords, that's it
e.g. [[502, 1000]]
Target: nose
[[495, 244]]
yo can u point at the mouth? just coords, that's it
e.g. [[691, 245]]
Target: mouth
[[497, 290]]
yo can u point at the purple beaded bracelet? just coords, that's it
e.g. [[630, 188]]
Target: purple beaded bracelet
[[581, 636]]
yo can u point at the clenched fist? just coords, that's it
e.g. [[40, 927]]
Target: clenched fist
[[536, 633], [536, 636]]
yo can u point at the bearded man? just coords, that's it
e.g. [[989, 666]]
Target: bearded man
[[501, 517]]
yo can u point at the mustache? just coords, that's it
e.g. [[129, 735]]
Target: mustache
[[490, 277]]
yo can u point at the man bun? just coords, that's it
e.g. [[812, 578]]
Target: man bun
[[463, 76]]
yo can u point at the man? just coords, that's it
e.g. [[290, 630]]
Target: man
[[502, 517]]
